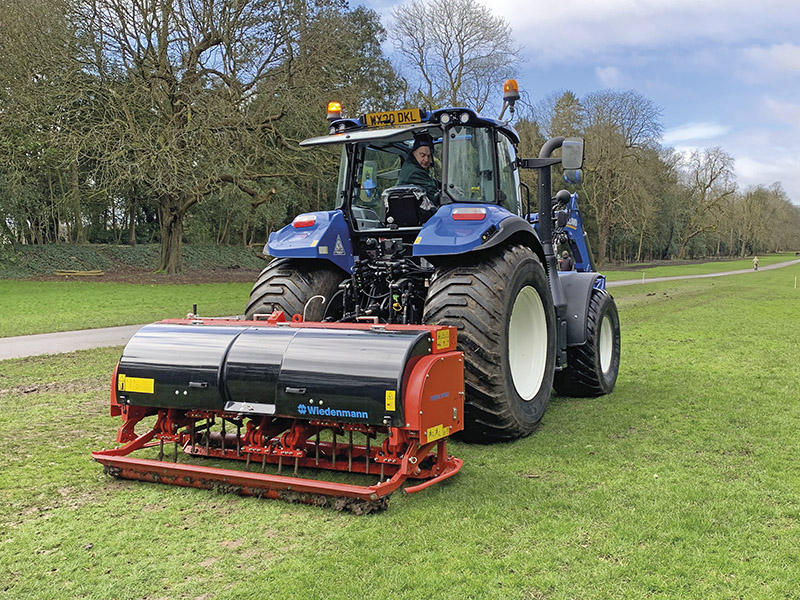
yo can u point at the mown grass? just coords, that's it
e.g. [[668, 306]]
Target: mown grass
[[41, 306], [681, 484]]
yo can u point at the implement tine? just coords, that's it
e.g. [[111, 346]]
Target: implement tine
[[161, 449], [223, 436], [350, 453], [367, 457]]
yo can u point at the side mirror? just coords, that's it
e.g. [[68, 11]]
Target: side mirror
[[572, 154], [573, 176]]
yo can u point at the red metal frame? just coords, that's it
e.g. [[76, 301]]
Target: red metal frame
[[417, 451]]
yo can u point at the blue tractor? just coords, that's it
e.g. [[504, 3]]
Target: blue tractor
[[474, 256]]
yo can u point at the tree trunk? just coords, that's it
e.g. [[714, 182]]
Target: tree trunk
[[75, 191], [171, 236], [132, 224]]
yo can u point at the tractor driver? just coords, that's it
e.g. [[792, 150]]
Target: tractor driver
[[415, 169]]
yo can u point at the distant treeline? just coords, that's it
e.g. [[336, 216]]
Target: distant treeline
[[129, 122]]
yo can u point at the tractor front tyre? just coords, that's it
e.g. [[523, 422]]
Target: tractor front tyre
[[291, 284], [593, 366], [503, 310]]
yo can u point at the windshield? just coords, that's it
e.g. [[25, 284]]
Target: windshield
[[376, 168], [481, 168]]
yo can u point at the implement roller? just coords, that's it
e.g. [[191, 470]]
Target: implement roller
[[363, 398]]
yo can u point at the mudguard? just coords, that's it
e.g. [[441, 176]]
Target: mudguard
[[578, 289], [322, 234], [443, 235]]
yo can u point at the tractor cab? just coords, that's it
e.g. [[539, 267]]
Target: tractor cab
[[474, 162]]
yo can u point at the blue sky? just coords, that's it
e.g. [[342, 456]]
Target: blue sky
[[725, 72]]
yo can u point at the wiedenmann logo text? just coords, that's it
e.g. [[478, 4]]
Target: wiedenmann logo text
[[331, 412]]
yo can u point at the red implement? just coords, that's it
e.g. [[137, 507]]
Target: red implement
[[404, 437]]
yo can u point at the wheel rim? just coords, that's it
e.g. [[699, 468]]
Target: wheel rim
[[527, 343], [606, 344]]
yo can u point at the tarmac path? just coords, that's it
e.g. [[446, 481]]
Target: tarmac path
[[69, 341]]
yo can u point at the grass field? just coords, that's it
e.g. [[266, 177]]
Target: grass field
[[42, 307], [46, 306], [693, 268], [683, 483]]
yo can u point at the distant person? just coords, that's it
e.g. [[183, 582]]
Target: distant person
[[755, 263], [566, 263]]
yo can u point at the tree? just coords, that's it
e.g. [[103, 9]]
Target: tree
[[619, 127], [560, 113], [457, 50], [39, 71], [709, 180]]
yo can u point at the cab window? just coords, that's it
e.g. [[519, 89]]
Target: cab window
[[508, 175], [470, 165], [376, 169]]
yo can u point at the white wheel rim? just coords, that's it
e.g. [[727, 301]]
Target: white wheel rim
[[606, 344], [527, 343]]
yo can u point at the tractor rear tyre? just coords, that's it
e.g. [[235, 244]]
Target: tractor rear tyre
[[501, 305], [288, 284], [592, 367]]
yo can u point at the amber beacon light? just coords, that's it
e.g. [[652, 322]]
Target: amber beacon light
[[334, 111]]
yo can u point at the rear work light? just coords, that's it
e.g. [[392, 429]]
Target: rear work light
[[304, 221], [469, 214]]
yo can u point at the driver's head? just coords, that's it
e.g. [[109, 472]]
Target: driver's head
[[423, 150]]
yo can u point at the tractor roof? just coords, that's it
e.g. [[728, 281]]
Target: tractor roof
[[401, 123]]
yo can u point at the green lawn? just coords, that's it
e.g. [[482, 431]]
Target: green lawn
[[683, 483], [40, 307], [694, 268]]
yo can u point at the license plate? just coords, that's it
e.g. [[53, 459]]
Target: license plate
[[393, 117]]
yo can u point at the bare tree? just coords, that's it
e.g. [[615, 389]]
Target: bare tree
[[620, 126], [457, 51], [709, 181], [180, 81]]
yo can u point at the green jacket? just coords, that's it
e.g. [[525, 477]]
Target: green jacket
[[412, 174]]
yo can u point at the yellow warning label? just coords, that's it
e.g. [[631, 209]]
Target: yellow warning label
[[442, 339], [391, 396], [418, 240], [434, 433], [135, 384]]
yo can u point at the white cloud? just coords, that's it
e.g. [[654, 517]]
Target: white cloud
[[778, 57], [776, 62], [783, 112], [610, 77], [567, 30], [694, 132], [757, 170]]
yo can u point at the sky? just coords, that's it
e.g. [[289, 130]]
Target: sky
[[724, 72]]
